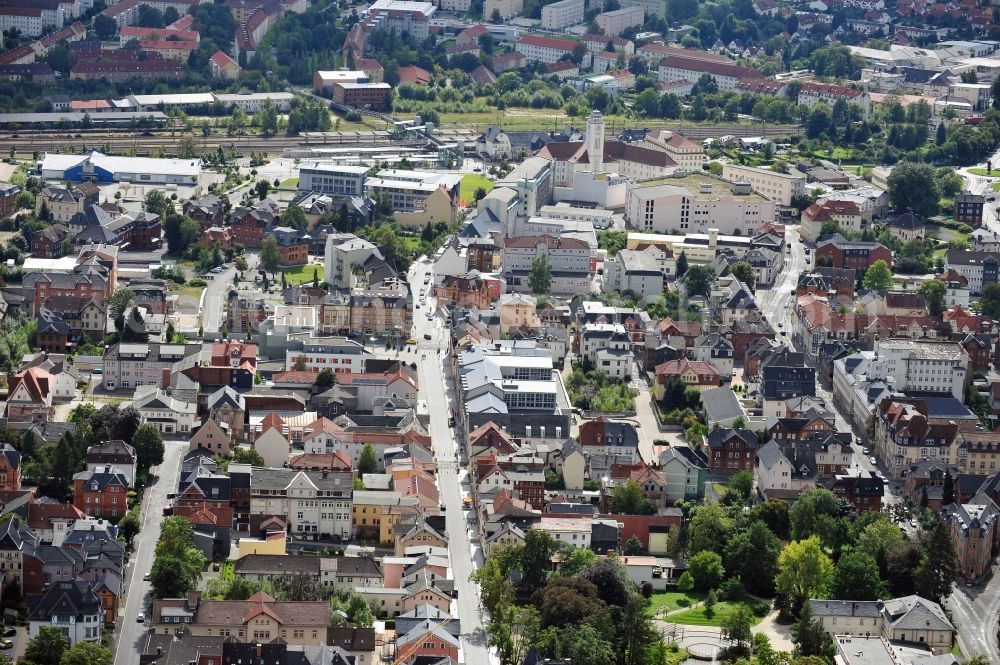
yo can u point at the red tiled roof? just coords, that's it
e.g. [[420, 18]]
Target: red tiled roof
[[548, 42], [709, 67]]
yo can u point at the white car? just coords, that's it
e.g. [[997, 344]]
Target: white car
[[873, 460]]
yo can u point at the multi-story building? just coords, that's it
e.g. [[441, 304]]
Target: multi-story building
[[608, 348], [903, 436], [863, 491], [116, 453], [848, 214], [547, 50], [381, 309], [779, 187], [572, 260], [910, 619], [130, 365], [372, 96], [973, 529], [857, 255], [316, 505], [811, 94], [8, 198], [730, 450], [72, 606], [346, 255], [685, 68], [342, 355], [402, 17], [293, 245], [562, 14], [969, 208], [10, 468], [257, 620], [638, 272], [102, 492], [696, 203], [617, 21], [981, 268], [924, 366], [976, 452], [334, 179], [689, 155], [408, 190], [250, 225], [503, 8]]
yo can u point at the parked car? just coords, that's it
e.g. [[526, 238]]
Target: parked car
[[141, 618], [9, 632], [6, 644], [873, 460], [427, 336]]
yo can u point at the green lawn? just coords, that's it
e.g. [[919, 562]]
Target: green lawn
[[193, 292], [673, 600], [978, 171], [996, 187], [289, 183], [303, 274], [470, 183], [699, 616]]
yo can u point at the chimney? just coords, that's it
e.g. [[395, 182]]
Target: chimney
[[258, 650], [165, 378]]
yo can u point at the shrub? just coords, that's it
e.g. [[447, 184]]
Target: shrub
[[685, 583], [731, 589], [197, 282]]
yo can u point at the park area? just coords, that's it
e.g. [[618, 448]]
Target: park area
[[470, 183], [694, 608]]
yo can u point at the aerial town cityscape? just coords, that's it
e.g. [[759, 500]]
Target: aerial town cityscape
[[499, 332]]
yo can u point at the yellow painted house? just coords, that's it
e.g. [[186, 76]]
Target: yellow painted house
[[375, 514]]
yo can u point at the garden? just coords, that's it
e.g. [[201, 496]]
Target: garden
[[592, 390]]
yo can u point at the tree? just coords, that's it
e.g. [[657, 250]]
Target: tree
[[933, 291], [913, 186], [48, 647], [948, 490], [508, 629], [86, 653], [709, 529], [856, 577], [105, 27], [741, 484], [270, 255], [989, 301], [699, 280], [752, 555], [247, 456], [149, 449], [325, 379], [540, 275], [168, 577], [878, 277], [685, 583], [366, 461], [295, 217], [682, 264], [706, 569], [773, 513], [633, 546], [536, 558], [301, 364], [804, 571], [156, 202], [129, 526], [629, 499], [938, 567], [576, 559], [744, 272], [738, 627], [567, 601], [810, 637]]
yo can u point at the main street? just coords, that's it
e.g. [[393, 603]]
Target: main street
[[778, 308], [465, 553], [213, 298], [130, 634]]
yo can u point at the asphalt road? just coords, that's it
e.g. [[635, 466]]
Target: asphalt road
[[464, 550], [974, 611], [129, 635], [213, 302]]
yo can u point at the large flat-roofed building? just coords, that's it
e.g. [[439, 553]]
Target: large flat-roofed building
[[410, 189], [251, 102], [781, 187], [695, 203], [617, 21], [402, 16], [506, 8], [103, 168], [532, 180], [334, 179], [373, 96], [323, 81], [598, 217], [924, 366], [562, 14]]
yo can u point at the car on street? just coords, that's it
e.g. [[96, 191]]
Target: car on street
[[427, 336], [865, 450], [6, 644], [873, 460], [9, 632], [913, 523], [97, 370], [145, 578], [216, 270], [141, 618]]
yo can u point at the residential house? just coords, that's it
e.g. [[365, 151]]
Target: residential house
[[973, 529], [692, 374], [910, 619], [116, 453], [863, 492], [730, 450], [71, 606]]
